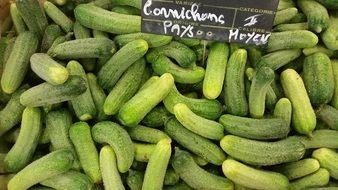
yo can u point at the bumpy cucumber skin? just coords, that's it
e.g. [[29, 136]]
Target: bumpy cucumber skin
[[157, 166], [334, 101], [319, 178], [110, 73], [303, 115], [197, 124], [259, 129], [58, 40], [209, 109], [323, 138], [329, 36], [292, 26], [58, 16], [18, 22], [52, 32], [278, 59], [18, 62], [156, 117], [22, 151], [145, 100], [295, 39], [253, 178], [301, 168], [263, 153], [329, 116], [48, 166], [285, 15], [317, 49], [195, 143], [318, 78], [328, 159], [99, 19], [283, 109], [284, 4], [147, 134], [152, 39], [118, 138]]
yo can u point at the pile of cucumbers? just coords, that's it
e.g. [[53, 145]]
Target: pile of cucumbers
[[89, 102]]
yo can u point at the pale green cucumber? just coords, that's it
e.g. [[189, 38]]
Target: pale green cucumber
[[328, 159], [292, 26], [278, 59], [58, 16], [18, 22], [283, 109], [146, 134], [285, 15], [319, 178], [143, 151], [317, 49]]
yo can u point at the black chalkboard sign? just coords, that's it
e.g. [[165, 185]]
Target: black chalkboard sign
[[242, 21]]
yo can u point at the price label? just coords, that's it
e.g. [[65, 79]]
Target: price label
[[241, 21]]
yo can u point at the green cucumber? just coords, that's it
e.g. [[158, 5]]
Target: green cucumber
[[80, 135], [283, 109], [99, 19], [284, 4], [157, 166], [48, 69], [334, 101], [257, 95], [58, 16], [118, 138], [147, 134], [318, 78], [18, 22], [163, 64], [190, 42], [143, 151], [295, 39], [263, 153], [171, 177], [292, 26], [110, 73], [254, 54], [127, 10], [132, 3], [329, 36], [18, 62], [316, 49], [125, 88], [209, 109], [301, 168], [47, 166], [215, 70], [52, 32], [105, 4], [193, 142], [278, 59], [234, 87], [323, 138], [259, 129], [178, 186], [132, 112], [253, 178], [58, 40], [199, 125], [135, 180], [285, 15], [152, 39], [328, 159], [195, 176], [22, 151], [319, 178], [110, 174], [69, 181], [156, 117], [300, 17], [317, 15], [303, 115], [329, 115]]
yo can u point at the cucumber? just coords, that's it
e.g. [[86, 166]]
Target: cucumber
[[105, 4], [99, 19], [22, 151], [195, 176], [114, 135], [18, 62], [18, 22], [209, 109], [190, 42], [132, 112], [300, 17], [171, 177], [135, 180], [52, 32], [295, 39], [58, 16], [153, 40], [33, 15], [110, 73], [330, 36], [84, 48], [125, 88], [259, 129], [146, 134], [110, 174], [263, 153], [127, 10], [253, 178], [157, 166], [68, 181], [215, 70], [317, 49], [289, 27], [156, 117], [149, 82], [323, 138], [47, 166], [181, 75], [317, 15], [83, 105], [283, 109], [303, 115], [278, 59], [334, 101], [47, 94], [301, 168], [11, 114], [199, 125], [328, 159], [284, 4], [143, 151], [319, 178], [329, 4], [48, 69], [234, 87], [179, 186], [254, 54], [57, 41], [285, 15], [329, 115], [257, 95], [193, 142], [80, 135], [318, 78], [132, 3]]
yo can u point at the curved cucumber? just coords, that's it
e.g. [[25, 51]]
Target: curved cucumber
[[328, 159], [195, 176], [146, 134], [303, 116], [317, 49], [252, 177], [319, 178], [152, 39], [278, 59], [263, 153], [197, 124], [260, 129], [118, 139]]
